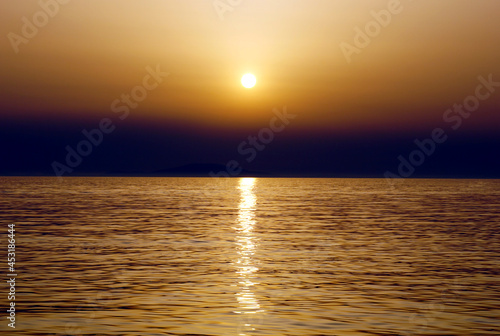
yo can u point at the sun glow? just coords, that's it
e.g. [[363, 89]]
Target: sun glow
[[248, 80]]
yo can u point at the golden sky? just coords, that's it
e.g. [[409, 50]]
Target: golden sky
[[91, 52]]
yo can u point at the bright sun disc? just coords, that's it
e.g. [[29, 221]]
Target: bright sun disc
[[248, 81]]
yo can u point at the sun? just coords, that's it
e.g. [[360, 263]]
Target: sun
[[248, 80]]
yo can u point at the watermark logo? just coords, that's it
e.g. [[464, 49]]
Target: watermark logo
[[30, 27], [224, 6], [373, 28], [122, 106], [11, 275], [255, 144], [453, 116]]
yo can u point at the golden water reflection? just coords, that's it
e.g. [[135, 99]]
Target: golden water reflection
[[297, 257], [249, 306]]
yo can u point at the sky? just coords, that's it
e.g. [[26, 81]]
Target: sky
[[362, 82]]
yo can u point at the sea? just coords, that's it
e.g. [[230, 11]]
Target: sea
[[251, 256]]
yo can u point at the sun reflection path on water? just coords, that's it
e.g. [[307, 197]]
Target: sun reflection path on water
[[249, 307]]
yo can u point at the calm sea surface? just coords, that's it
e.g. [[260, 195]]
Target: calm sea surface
[[205, 256]]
